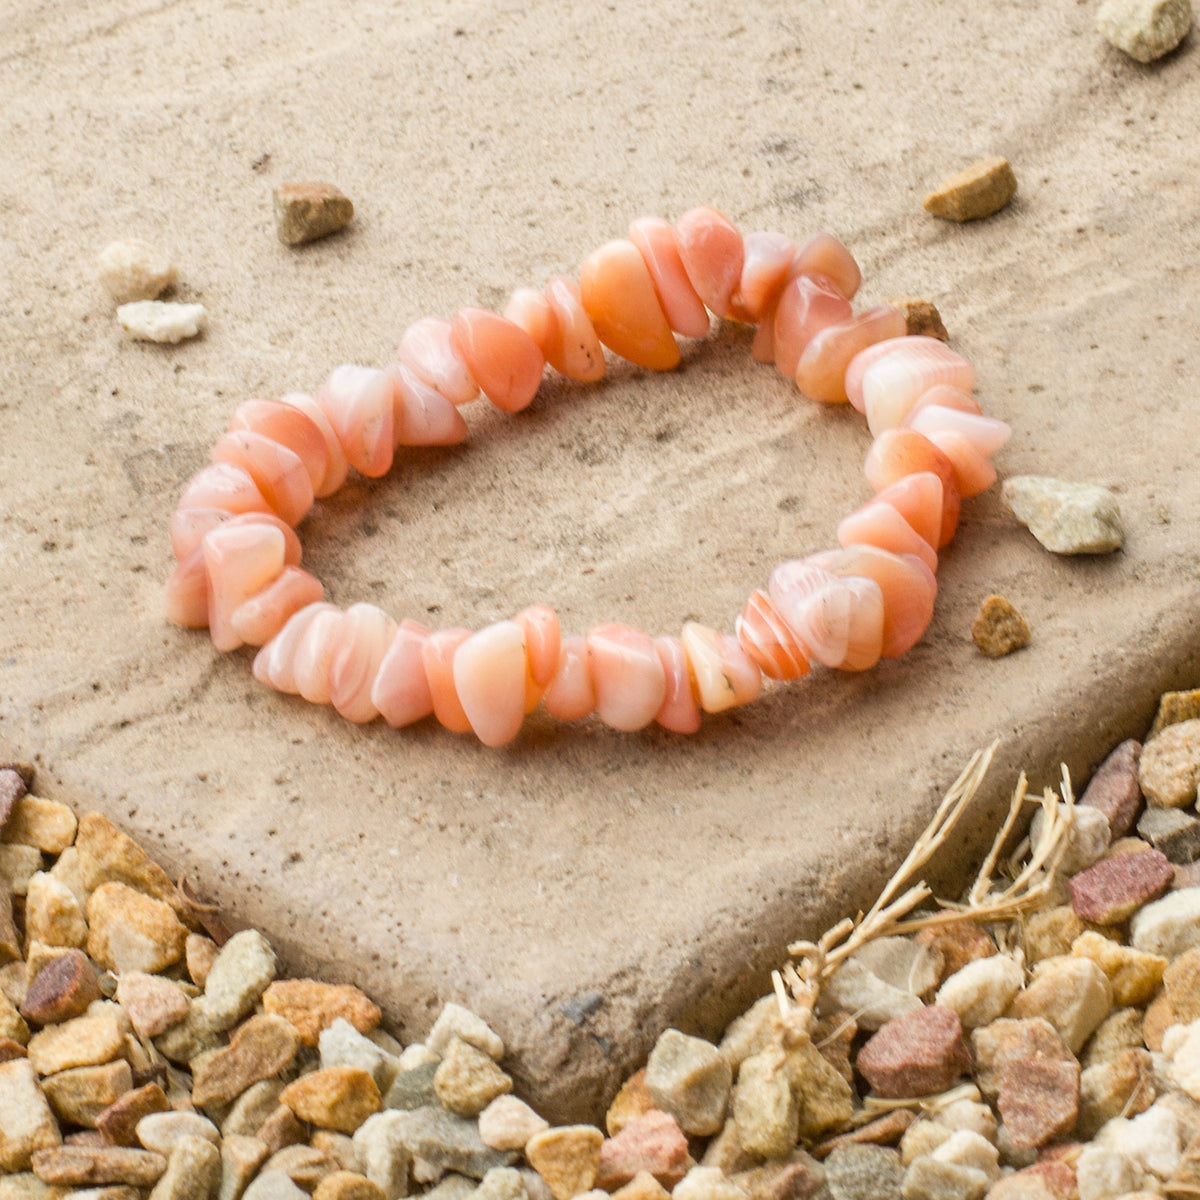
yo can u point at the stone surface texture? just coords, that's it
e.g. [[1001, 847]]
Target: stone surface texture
[[657, 496]]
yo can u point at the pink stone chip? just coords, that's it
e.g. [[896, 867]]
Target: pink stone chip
[[1114, 788], [1115, 888], [653, 1143], [1039, 1099], [917, 1054]]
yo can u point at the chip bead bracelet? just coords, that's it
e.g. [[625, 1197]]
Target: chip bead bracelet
[[238, 571]]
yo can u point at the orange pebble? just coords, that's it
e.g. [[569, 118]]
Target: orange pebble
[[767, 257], [529, 309], [627, 674], [767, 639], [226, 486], [504, 359], [618, 295], [187, 592], [725, 675], [574, 350]]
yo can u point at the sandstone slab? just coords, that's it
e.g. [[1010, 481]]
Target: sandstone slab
[[649, 489]]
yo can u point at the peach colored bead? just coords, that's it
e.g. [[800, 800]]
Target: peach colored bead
[[973, 470], [502, 357], [762, 348], [421, 415], [877, 523], [909, 589], [627, 675], [257, 620], [725, 674], [363, 637], [821, 371], [767, 639], [225, 486], [543, 640], [437, 655], [489, 680], [679, 712], [806, 306], [275, 663], [529, 309], [401, 690], [429, 351], [571, 695], [766, 259], [899, 452], [189, 525], [314, 656], [240, 562], [618, 295], [574, 350], [712, 253], [277, 472], [824, 255], [918, 499], [186, 593], [336, 465], [659, 248], [986, 434], [893, 383], [838, 620], [944, 396], [359, 404], [289, 427]]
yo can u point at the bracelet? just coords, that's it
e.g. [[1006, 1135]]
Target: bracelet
[[238, 571]]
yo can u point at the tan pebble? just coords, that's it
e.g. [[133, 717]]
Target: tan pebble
[[154, 1004], [75, 1165], [12, 1025], [643, 1186], [241, 1158], [311, 1006], [456, 1021], [134, 270], [38, 956], [46, 824], [1073, 994], [1122, 1086], [883, 1131], [10, 939], [261, 1047], [193, 1171], [305, 1166], [1050, 933], [252, 1108], [467, 1080], [340, 1098], [998, 628], [1181, 982], [1121, 1030], [281, 1129], [339, 1147], [307, 211], [161, 321], [199, 954], [26, 1122], [508, 1123], [979, 190], [348, 1185], [162, 1132], [106, 855], [1169, 768], [1159, 1017], [1174, 707], [921, 317], [18, 865], [567, 1158], [118, 1123], [83, 1042], [52, 913], [63, 989], [630, 1102], [1144, 29], [129, 931], [1134, 975], [958, 944], [80, 1095]]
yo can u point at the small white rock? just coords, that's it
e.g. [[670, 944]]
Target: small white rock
[[416, 1055], [456, 1021], [508, 1123], [853, 988], [1087, 840], [341, 1045], [1145, 29], [1182, 1045], [1104, 1173], [707, 1183], [1168, 926], [158, 321], [968, 1149], [1067, 518], [134, 270], [162, 1132], [981, 991], [1152, 1141], [969, 1114]]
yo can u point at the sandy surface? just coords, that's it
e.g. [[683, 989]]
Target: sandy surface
[[581, 888]]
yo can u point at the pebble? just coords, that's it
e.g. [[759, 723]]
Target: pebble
[[508, 1123], [917, 1054], [348, 1185], [567, 1158], [26, 1122], [199, 954], [80, 1095], [998, 628], [1067, 518], [106, 855], [1174, 833], [958, 944], [281, 1129], [273, 1185], [241, 1158], [1038, 1099], [455, 1021], [1103, 1172], [52, 913], [61, 990], [1088, 837], [74, 1165], [1170, 765], [304, 1165], [161, 320], [652, 1143], [1174, 707], [340, 1098], [239, 975], [901, 962], [12, 788], [502, 1183], [1072, 993], [447, 1142], [1151, 1140], [82, 1042], [764, 1107], [154, 1004], [824, 1097], [929, 1178], [1120, 1030], [1114, 788], [1144, 29], [1119, 1086], [118, 1123], [383, 1157], [261, 1047], [130, 931], [642, 1187], [134, 270], [1117, 887], [46, 824], [980, 190], [982, 990], [1134, 975], [689, 1078], [311, 1006], [1008, 1039], [466, 1081], [307, 211], [414, 1088], [341, 1045], [1168, 926], [1185, 1059], [854, 988], [10, 939], [162, 1132], [1181, 982], [18, 865], [921, 317], [193, 1171], [864, 1173]]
